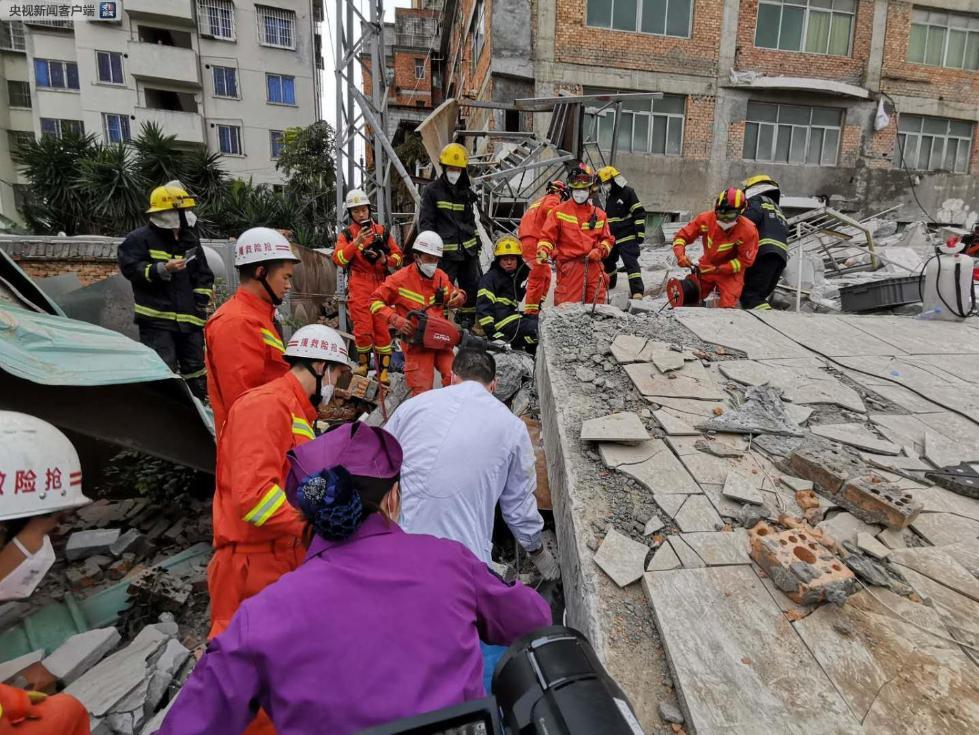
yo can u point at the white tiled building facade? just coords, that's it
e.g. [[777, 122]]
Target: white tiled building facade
[[233, 75]]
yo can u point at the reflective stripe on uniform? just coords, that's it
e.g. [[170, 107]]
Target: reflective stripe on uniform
[[763, 306], [545, 245], [266, 507], [566, 217], [209, 292], [384, 350], [301, 427], [451, 206], [340, 256], [634, 207], [146, 271], [507, 302], [469, 243], [735, 265], [620, 240], [724, 246], [681, 243], [411, 296], [599, 223], [160, 255], [770, 241], [450, 247], [612, 220], [507, 320], [635, 275], [169, 315], [196, 374], [376, 306], [485, 321], [487, 293], [272, 340]]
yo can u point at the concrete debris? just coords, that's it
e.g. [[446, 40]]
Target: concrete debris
[[82, 544], [892, 538], [652, 526], [870, 545], [670, 713], [740, 488], [718, 448], [585, 375], [687, 556], [158, 589], [621, 558], [80, 652], [396, 394], [875, 501], [10, 669], [873, 572], [513, 370], [856, 435], [164, 670], [761, 413], [625, 428], [845, 527], [698, 514], [664, 560], [673, 424]]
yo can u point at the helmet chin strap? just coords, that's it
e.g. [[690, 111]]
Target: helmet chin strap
[[316, 398], [276, 301]]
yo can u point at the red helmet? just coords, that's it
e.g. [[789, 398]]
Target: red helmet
[[729, 204], [556, 186], [583, 177]]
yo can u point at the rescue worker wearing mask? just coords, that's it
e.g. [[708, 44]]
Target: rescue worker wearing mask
[[500, 292], [417, 287], [539, 281], [576, 235], [172, 283], [368, 252], [244, 343], [730, 245], [763, 196], [448, 209], [40, 478], [627, 220]]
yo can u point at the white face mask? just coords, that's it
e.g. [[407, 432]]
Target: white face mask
[[191, 219], [453, 176], [726, 225], [428, 269], [620, 180], [606, 188], [580, 195], [166, 220], [22, 581], [326, 388]]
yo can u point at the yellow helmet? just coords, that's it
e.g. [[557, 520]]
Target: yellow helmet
[[164, 198], [454, 155], [507, 245], [607, 173]]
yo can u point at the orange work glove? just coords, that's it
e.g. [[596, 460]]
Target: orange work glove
[[458, 298], [681, 257], [401, 325], [595, 255]]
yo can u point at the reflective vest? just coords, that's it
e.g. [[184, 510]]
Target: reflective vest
[[536, 215], [626, 216], [572, 230], [408, 290], [730, 251], [773, 231], [449, 211], [360, 266]]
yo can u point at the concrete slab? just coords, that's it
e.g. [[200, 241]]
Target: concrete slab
[[662, 473], [939, 500], [80, 653], [965, 553], [798, 414], [870, 545], [687, 556], [720, 548], [893, 538], [664, 559], [674, 424], [940, 452], [738, 665], [624, 428], [896, 394], [942, 529], [942, 567], [825, 334], [902, 429], [915, 337], [691, 406], [697, 514], [654, 524], [651, 383], [959, 613], [626, 348], [856, 435], [739, 331], [621, 558], [615, 455], [742, 489], [845, 527]]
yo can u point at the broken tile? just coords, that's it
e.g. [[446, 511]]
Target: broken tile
[[856, 435], [845, 527], [627, 348], [10, 669], [941, 452], [82, 544], [666, 360], [688, 557], [942, 529], [691, 406], [870, 545], [673, 424], [798, 414], [720, 547], [893, 538], [710, 445], [652, 525], [625, 427], [820, 390], [762, 413], [614, 455], [662, 473], [725, 507], [670, 502], [900, 464], [650, 382], [937, 564], [740, 488], [795, 484], [663, 560], [621, 558], [939, 500], [80, 653], [697, 514]]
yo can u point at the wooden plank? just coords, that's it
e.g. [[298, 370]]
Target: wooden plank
[[738, 665], [543, 490]]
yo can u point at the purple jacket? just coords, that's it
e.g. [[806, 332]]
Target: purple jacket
[[382, 626]]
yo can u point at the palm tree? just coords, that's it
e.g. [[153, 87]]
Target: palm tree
[[158, 157], [115, 188], [53, 165]]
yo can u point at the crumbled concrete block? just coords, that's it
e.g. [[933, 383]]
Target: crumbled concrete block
[[762, 413], [828, 466], [845, 527], [10, 669], [878, 502], [800, 566], [82, 544], [870, 545], [623, 427], [164, 669], [670, 713], [160, 590], [740, 488], [129, 542], [652, 525], [80, 652], [621, 558]]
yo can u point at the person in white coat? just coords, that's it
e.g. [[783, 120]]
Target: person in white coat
[[464, 452]]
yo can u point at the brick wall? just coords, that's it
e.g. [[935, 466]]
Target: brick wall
[[698, 127], [577, 43], [849, 69], [88, 271], [411, 90]]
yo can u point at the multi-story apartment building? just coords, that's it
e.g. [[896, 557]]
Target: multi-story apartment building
[[786, 87], [232, 76]]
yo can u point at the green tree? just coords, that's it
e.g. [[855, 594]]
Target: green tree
[[307, 162]]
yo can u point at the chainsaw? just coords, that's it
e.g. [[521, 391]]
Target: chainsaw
[[438, 333], [684, 291]]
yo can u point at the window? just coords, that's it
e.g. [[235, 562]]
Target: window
[[165, 37], [658, 17], [60, 128], [19, 94], [17, 138], [225, 81], [647, 126], [280, 90], [217, 19], [792, 134], [944, 39], [56, 74], [275, 141], [478, 32], [419, 68], [811, 26], [229, 140], [115, 127], [276, 27], [935, 143], [109, 65], [11, 35], [167, 99]]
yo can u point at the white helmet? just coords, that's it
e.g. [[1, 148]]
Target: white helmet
[[428, 242], [39, 468], [261, 244], [356, 198], [951, 246], [318, 342]]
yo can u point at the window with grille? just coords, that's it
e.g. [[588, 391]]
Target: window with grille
[[17, 138], [276, 27], [109, 67], [280, 90], [229, 140], [115, 127], [419, 68], [792, 134], [647, 126], [216, 18], [656, 17], [19, 94], [60, 128], [944, 39], [225, 81], [478, 32], [275, 142], [810, 26], [935, 143], [11, 35], [56, 74]]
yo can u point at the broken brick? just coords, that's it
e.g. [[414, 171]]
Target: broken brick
[[83, 544], [826, 465], [119, 569], [37, 678], [878, 502], [800, 566]]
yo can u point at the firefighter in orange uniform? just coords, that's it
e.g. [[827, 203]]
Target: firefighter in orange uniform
[[244, 349], [730, 246], [417, 287], [33, 713], [577, 236], [367, 250], [531, 224]]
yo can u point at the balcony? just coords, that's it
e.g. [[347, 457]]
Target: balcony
[[174, 11], [169, 64], [187, 126]]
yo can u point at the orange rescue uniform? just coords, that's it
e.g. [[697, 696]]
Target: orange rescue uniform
[[730, 252], [571, 231], [60, 714], [243, 351], [405, 291], [531, 224], [363, 279]]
